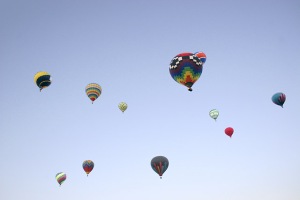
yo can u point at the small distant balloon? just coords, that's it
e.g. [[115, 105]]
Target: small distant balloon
[[93, 91], [160, 164], [214, 114], [229, 131], [122, 106], [186, 69], [88, 166], [42, 79], [201, 56], [279, 99], [60, 177]]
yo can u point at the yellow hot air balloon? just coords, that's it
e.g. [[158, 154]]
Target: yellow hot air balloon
[[123, 106], [42, 79], [93, 91]]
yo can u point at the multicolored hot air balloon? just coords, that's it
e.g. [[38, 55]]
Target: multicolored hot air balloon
[[60, 177], [229, 131], [201, 56], [186, 69], [122, 106], [214, 114], [160, 164], [279, 98], [88, 166], [93, 91], [42, 79]]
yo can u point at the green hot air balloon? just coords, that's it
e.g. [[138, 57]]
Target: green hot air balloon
[[123, 106], [214, 114], [279, 99], [60, 177]]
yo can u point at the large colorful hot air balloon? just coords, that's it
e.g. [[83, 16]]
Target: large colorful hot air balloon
[[42, 79], [201, 56], [160, 164], [88, 166], [279, 98], [60, 177], [122, 106], [214, 114], [229, 131], [186, 69], [93, 91]]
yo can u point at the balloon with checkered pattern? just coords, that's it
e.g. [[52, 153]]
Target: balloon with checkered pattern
[[186, 69]]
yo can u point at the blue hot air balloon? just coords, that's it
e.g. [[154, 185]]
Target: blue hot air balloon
[[279, 98]]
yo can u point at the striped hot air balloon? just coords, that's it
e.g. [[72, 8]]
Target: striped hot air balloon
[[60, 177], [122, 106], [93, 91], [42, 79], [88, 166]]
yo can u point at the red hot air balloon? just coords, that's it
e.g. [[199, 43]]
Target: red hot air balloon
[[88, 166], [201, 56], [229, 131]]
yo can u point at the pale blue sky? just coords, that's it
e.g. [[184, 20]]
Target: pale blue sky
[[252, 50]]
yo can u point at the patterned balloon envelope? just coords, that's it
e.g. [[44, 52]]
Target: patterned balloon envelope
[[160, 164], [93, 91], [186, 69], [122, 106], [214, 114], [42, 79], [201, 56], [60, 177], [88, 166], [279, 98]]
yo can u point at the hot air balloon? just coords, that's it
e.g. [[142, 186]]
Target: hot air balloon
[[214, 114], [42, 79], [229, 131], [201, 56], [60, 177], [88, 166], [93, 91], [159, 164], [186, 69], [279, 98], [123, 106]]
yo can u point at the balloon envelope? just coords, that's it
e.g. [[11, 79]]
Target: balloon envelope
[[214, 114], [88, 166], [159, 164], [42, 79], [93, 91], [122, 106], [186, 69], [201, 56], [229, 131], [60, 177], [279, 98]]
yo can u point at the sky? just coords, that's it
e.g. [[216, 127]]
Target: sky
[[252, 50]]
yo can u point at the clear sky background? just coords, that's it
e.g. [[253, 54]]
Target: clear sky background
[[252, 50]]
